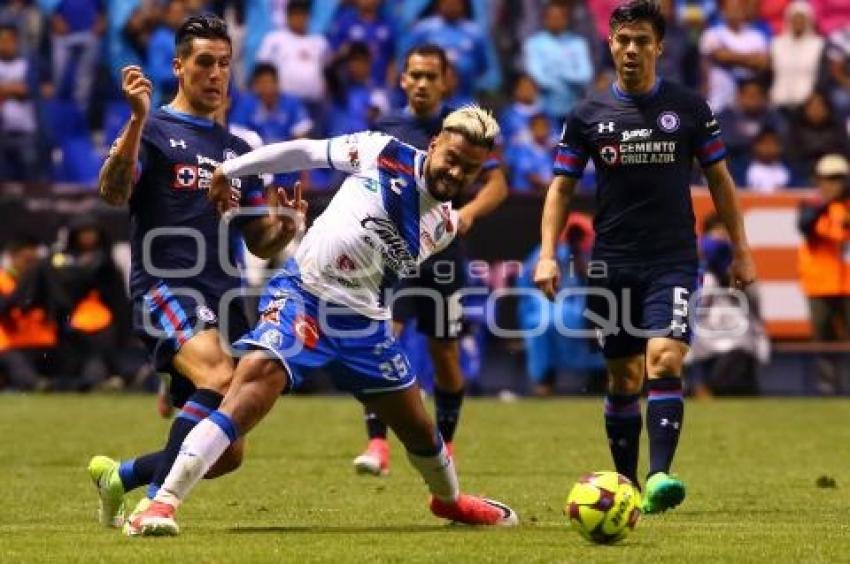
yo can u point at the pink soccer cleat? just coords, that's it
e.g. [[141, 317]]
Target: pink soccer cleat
[[375, 459], [472, 510]]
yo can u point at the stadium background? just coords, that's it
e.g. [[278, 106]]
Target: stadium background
[[67, 54]]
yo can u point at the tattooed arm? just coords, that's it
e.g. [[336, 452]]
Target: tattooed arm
[[117, 174]]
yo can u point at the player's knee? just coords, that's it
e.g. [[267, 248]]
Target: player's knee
[[625, 376], [257, 367], [216, 374], [665, 358], [229, 461]]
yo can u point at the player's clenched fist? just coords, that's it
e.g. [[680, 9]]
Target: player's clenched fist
[[547, 276], [137, 89]]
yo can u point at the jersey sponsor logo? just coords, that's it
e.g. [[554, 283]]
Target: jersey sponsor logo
[[609, 154], [371, 185], [177, 143], [669, 121], [345, 263], [307, 330], [205, 314], [636, 134], [605, 127], [271, 314], [393, 248], [185, 177]]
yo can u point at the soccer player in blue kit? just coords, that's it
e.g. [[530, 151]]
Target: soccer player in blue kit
[[433, 297], [329, 305], [642, 135], [162, 165]]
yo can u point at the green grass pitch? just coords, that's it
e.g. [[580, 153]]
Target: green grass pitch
[[751, 468]]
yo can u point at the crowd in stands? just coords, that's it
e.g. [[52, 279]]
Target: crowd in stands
[[774, 71]]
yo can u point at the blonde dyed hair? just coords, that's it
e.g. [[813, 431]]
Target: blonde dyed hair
[[476, 124]]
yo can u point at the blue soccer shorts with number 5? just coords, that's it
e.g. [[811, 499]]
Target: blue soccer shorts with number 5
[[631, 304], [303, 332]]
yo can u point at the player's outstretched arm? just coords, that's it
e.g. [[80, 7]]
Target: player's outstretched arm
[[724, 195], [117, 174], [547, 273], [492, 193], [267, 236]]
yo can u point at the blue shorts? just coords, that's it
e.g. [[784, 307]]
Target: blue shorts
[[634, 303], [165, 318], [303, 331]]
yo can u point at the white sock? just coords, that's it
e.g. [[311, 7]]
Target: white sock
[[438, 471], [201, 448]]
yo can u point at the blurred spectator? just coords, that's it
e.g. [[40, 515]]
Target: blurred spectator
[[300, 57], [29, 21], [357, 100], [767, 171], [743, 121], [816, 131], [529, 157], [831, 15], [733, 51], [729, 339], [795, 57], [99, 322], [838, 60], [127, 32], [679, 61], [76, 29], [558, 61], [515, 117], [462, 39], [160, 55], [28, 337], [823, 258], [366, 25], [274, 116], [547, 349], [18, 138]]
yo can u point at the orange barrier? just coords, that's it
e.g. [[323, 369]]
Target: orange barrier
[[771, 224]]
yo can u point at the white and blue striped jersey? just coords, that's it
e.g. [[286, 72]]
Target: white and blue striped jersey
[[379, 226]]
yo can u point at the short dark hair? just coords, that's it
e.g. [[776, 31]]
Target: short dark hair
[[298, 6], [358, 49], [263, 68], [639, 11], [205, 26], [429, 50], [9, 26]]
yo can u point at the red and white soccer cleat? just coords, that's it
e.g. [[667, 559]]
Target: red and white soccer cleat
[[472, 510], [375, 459], [155, 521]]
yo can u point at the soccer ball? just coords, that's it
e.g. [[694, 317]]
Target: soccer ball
[[603, 506]]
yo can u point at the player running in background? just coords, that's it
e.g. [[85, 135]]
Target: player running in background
[[642, 134], [329, 305], [162, 165], [433, 297]]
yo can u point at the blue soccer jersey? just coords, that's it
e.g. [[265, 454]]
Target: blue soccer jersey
[[175, 233], [643, 148]]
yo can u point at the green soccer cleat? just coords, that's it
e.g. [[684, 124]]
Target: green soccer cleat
[[110, 491], [663, 492]]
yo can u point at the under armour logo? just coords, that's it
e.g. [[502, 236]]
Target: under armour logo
[[606, 127], [175, 143], [667, 423]]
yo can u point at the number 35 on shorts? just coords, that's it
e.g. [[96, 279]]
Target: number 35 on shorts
[[395, 368]]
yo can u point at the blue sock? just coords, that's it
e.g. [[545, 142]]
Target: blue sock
[[664, 413], [199, 405], [139, 471], [623, 423], [447, 406]]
